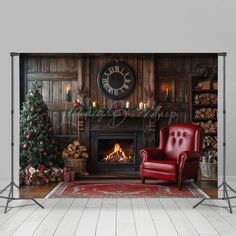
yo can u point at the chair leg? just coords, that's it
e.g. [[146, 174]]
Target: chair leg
[[180, 185], [143, 180]]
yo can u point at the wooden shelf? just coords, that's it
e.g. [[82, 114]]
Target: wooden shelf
[[204, 119], [204, 90], [204, 105], [210, 134]]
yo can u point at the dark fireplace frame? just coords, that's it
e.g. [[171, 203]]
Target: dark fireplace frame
[[102, 167], [136, 128]]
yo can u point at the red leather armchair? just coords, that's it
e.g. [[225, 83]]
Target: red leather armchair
[[177, 158]]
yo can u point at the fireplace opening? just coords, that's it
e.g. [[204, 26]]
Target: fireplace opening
[[116, 151]]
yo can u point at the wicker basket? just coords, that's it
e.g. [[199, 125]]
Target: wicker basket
[[208, 170], [79, 165]]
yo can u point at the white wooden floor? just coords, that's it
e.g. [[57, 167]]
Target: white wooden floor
[[120, 217]]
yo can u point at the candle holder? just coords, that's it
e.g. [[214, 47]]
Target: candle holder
[[68, 97]]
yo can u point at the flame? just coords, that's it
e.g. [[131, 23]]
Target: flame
[[117, 154]]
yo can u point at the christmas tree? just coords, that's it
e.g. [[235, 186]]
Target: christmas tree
[[37, 141]]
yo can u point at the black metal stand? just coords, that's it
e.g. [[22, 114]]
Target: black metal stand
[[12, 184], [224, 184]]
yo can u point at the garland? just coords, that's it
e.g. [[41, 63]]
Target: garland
[[115, 110]]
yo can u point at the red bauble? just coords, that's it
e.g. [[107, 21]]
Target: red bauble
[[77, 104], [41, 142], [33, 109], [117, 106], [26, 146], [28, 137]]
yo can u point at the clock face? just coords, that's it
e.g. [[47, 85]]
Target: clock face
[[116, 80]]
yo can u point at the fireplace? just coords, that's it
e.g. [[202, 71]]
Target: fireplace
[[116, 150]]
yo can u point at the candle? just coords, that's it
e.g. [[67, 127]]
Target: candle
[[127, 104], [140, 105], [145, 106], [94, 104], [68, 94], [167, 92]]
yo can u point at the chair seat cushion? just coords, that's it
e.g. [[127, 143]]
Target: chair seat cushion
[[161, 165]]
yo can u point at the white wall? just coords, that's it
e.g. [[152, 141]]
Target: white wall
[[117, 26]]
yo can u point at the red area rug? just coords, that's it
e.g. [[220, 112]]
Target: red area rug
[[123, 189]]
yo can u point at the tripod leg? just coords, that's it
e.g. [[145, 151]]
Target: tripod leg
[[220, 186], [230, 188], [5, 188], [227, 196], [199, 202], [16, 186], [8, 199], [37, 203]]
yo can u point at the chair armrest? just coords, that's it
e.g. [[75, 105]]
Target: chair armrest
[[151, 154], [188, 156]]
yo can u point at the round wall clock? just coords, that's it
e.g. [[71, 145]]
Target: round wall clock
[[116, 80]]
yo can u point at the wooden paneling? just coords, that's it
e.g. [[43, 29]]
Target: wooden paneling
[[52, 76], [153, 72]]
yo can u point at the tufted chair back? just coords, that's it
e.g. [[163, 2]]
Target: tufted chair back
[[179, 138]]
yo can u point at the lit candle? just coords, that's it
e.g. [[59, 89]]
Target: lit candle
[[68, 94], [144, 106], [94, 104], [127, 104], [167, 92], [148, 104], [140, 105]]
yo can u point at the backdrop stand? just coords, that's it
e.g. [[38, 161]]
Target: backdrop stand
[[12, 184], [224, 184]]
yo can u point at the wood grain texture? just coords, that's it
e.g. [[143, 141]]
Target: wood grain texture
[[57, 72]]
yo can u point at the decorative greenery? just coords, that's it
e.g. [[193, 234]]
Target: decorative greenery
[[203, 69], [115, 110], [37, 142]]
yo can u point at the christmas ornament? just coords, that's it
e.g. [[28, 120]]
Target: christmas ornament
[[28, 137], [117, 106], [77, 103], [41, 142], [33, 109], [26, 146]]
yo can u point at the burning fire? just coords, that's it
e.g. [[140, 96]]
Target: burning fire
[[118, 155]]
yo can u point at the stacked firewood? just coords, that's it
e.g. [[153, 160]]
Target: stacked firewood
[[75, 151], [203, 85], [41, 174], [209, 126], [209, 156], [205, 113], [210, 142], [205, 98]]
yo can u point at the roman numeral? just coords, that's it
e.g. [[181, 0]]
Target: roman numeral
[[105, 80], [111, 69], [117, 69]]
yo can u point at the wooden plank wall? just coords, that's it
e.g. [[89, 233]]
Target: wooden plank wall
[[56, 72]]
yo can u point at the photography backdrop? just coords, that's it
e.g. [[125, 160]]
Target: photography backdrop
[[111, 26]]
